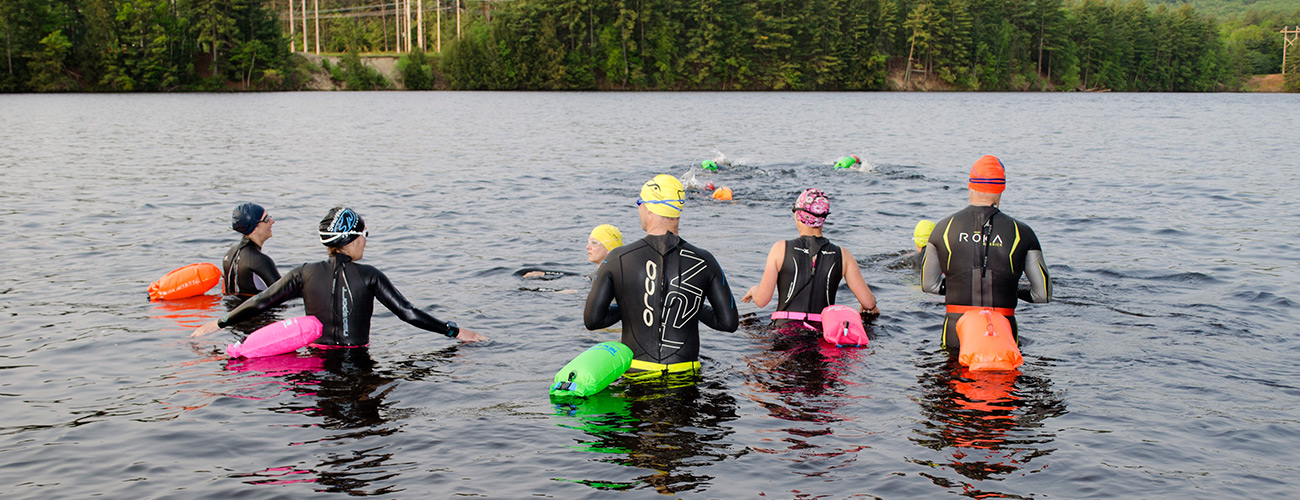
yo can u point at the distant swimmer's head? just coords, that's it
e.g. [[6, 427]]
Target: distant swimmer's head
[[663, 196], [341, 226], [988, 175], [812, 207], [603, 239], [921, 234], [246, 217]]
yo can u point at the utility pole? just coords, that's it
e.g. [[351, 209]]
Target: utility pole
[[293, 37], [1287, 41], [317, 16], [397, 24], [304, 25]]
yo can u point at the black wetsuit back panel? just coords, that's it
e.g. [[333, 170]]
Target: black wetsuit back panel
[[810, 275], [661, 283]]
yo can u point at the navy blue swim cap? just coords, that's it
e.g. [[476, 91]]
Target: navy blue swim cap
[[340, 226], [245, 217]]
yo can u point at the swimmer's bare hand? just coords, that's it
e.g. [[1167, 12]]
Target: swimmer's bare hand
[[467, 335], [749, 295], [534, 274], [207, 328]]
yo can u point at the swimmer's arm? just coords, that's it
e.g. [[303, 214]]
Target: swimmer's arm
[[722, 316], [397, 303], [1040, 284], [288, 288], [600, 312], [931, 275], [858, 285], [761, 293]]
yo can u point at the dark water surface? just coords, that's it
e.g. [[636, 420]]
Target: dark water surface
[[1165, 368]]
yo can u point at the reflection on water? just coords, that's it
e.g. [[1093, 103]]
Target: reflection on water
[[988, 425], [343, 390], [672, 425], [800, 379]]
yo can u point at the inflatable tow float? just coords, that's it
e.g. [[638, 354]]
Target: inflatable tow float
[[278, 338], [842, 326], [593, 370], [188, 281], [986, 342]]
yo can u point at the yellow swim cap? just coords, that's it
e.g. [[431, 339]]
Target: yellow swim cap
[[664, 196], [607, 235], [921, 234]]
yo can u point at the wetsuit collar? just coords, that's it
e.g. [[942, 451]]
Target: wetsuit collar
[[246, 241], [340, 258], [663, 243]]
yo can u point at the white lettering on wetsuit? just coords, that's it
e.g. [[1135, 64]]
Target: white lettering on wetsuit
[[651, 272], [975, 237], [688, 302]]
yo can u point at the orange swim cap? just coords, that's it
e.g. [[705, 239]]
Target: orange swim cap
[[988, 175], [722, 193]]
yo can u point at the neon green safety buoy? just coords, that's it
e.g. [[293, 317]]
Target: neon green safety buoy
[[593, 370], [709, 165], [847, 161]]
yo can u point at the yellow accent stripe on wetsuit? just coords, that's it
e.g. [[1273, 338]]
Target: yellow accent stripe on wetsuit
[[946, 245], [1047, 283], [1012, 256], [652, 369]]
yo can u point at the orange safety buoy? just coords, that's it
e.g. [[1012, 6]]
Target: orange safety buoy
[[986, 342], [188, 281]]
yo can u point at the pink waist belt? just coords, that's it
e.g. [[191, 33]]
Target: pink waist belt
[[796, 316]]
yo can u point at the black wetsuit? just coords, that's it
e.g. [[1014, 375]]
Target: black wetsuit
[[661, 282], [809, 277], [980, 254], [341, 294], [246, 270]]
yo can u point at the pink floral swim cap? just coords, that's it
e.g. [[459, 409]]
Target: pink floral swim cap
[[812, 207]]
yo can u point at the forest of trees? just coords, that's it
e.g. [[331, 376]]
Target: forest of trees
[[1122, 45]]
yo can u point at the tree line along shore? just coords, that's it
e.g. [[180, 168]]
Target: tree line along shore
[[987, 45]]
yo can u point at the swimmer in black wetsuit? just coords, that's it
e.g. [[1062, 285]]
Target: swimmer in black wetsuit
[[981, 253], [661, 281], [246, 270], [807, 270], [339, 292]]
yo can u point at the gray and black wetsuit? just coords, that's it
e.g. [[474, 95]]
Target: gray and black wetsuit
[[981, 253]]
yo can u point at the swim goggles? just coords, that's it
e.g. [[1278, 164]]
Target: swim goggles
[[640, 201]]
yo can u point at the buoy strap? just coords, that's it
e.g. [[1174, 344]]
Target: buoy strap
[[1005, 311]]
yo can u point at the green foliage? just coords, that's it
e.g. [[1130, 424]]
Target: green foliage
[[415, 70], [49, 74], [1127, 45], [356, 75]]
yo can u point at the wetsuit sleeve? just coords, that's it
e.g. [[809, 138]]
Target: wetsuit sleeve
[[1040, 283], [397, 303], [722, 316], [600, 311], [931, 274], [285, 289]]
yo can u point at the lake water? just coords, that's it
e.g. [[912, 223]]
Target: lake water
[[1165, 368]]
